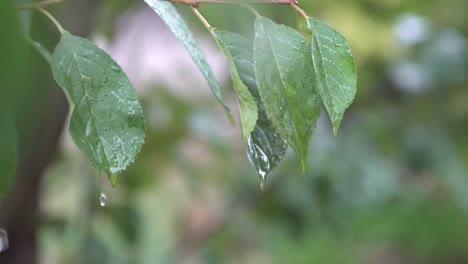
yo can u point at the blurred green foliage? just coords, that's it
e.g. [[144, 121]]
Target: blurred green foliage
[[392, 187]]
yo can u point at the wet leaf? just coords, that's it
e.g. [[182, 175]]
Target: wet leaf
[[284, 70], [265, 146], [335, 69], [228, 43], [176, 24], [107, 121]]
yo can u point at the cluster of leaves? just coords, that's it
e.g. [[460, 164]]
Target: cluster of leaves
[[282, 78]]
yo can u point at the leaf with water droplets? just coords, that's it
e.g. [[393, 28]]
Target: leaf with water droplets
[[335, 70], [176, 24], [107, 121], [265, 146], [228, 43], [285, 77]]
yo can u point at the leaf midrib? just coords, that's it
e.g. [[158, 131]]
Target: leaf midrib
[[323, 73], [296, 136], [85, 94]]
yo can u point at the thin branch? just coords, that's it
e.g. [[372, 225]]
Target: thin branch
[[195, 3], [202, 18], [299, 10], [248, 7], [38, 4], [49, 16]]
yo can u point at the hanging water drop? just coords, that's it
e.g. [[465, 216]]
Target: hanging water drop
[[262, 176], [3, 240], [103, 199]]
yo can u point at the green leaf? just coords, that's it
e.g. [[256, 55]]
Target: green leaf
[[265, 146], [283, 66], [41, 49], [107, 121], [176, 24], [228, 43], [13, 68], [8, 153], [335, 69]]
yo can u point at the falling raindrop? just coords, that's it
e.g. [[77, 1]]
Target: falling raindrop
[[103, 199], [3, 240]]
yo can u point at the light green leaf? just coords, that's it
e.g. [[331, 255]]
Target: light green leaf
[[335, 70], [265, 146], [176, 24], [285, 77], [107, 121], [228, 43]]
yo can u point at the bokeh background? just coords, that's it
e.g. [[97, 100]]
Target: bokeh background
[[390, 188]]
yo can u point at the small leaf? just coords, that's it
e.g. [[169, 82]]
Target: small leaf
[[228, 43], [335, 69], [176, 24], [107, 121], [41, 49], [283, 66], [265, 146]]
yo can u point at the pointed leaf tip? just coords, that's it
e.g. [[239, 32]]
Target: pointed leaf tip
[[230, 43], [265, 146], [336, 70]]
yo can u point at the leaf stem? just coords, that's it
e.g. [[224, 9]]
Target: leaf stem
[[202, 18], [195, 3], [295, 5], [38, 4], [51, 18]]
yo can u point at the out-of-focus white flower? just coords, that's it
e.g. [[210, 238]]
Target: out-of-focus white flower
[[410, 29]]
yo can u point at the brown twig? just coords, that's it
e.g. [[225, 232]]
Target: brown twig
[[38, 4], [195, 3], [295, 5]]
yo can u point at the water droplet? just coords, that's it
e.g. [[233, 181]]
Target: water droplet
[[259, 159], [3, 240], [262, 175], [103, 199], [116, 68], [337, 42]]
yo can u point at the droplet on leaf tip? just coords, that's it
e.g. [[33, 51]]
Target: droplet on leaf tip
[[262, 176], [103, 199], [3, 240]]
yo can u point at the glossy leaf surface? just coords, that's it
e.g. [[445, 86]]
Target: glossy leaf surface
[[284, 70], [265, 146], [335, 70], [107, 121], [229, 44]]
